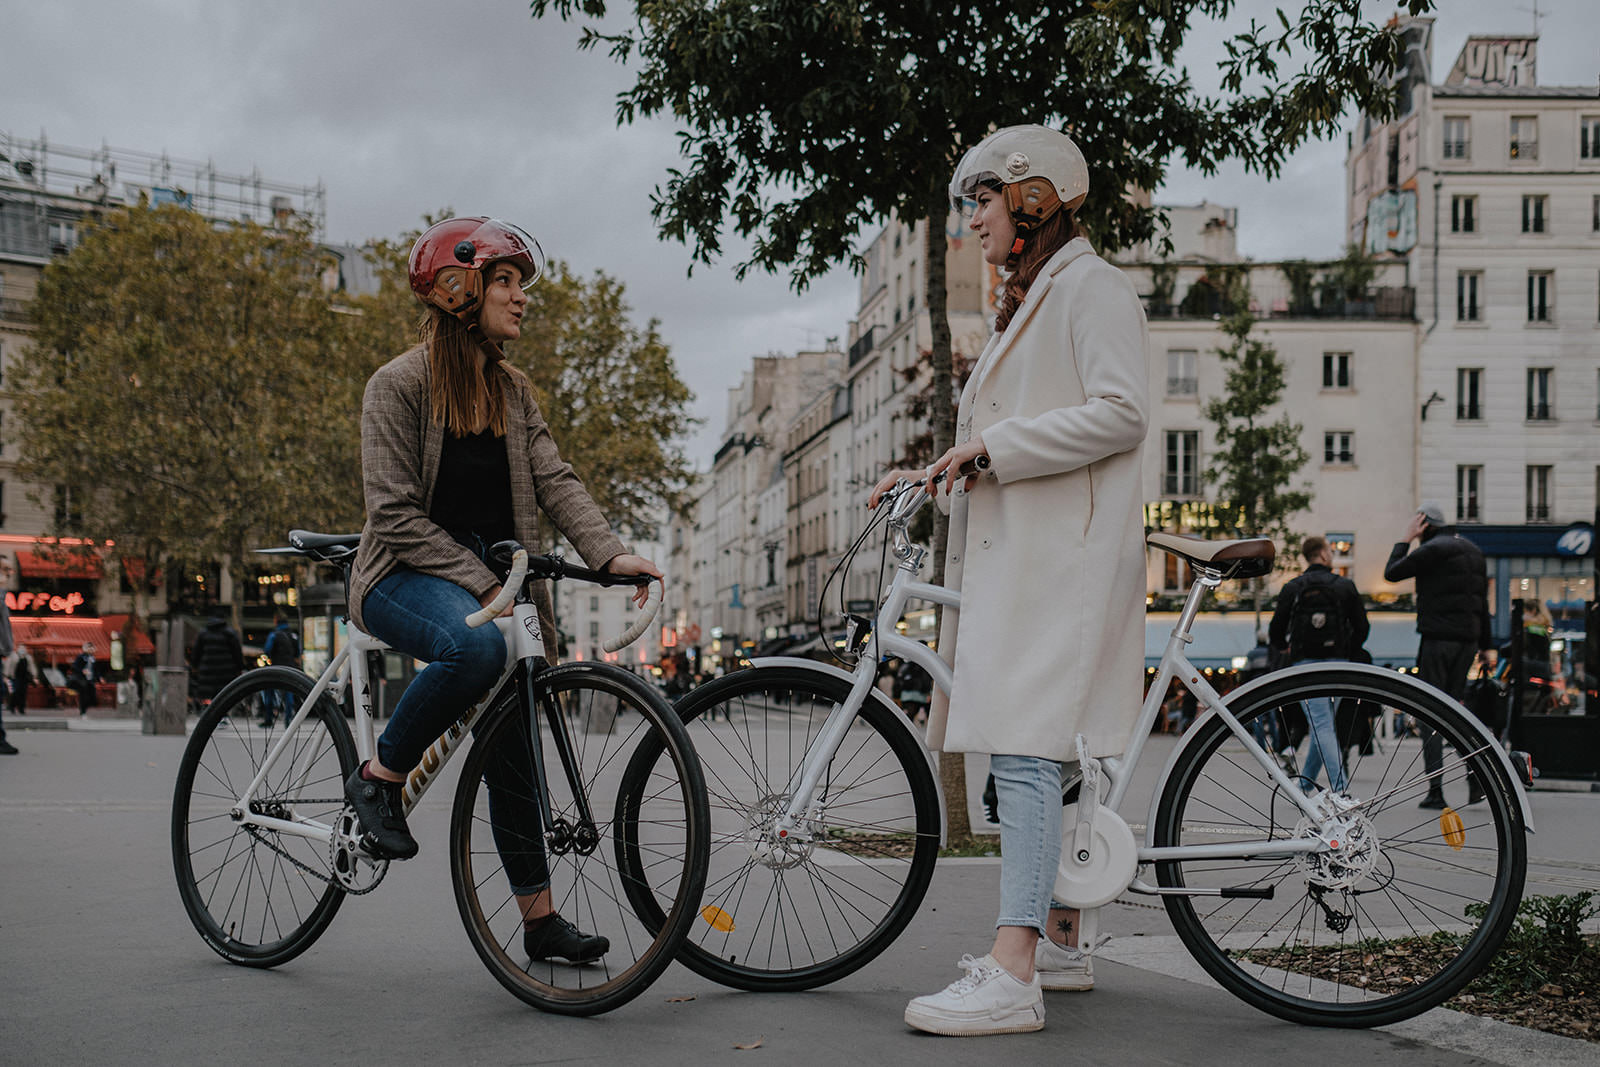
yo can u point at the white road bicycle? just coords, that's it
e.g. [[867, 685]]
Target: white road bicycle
[[266, 849], [828, 816]]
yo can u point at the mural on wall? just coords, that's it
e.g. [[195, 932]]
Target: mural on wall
[[1392, 221], [1502, 61]]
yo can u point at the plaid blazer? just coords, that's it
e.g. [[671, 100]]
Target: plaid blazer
[[400, 449]]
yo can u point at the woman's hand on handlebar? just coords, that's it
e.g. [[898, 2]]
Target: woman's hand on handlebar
[[627, 564], [947, 467], [889, 481]]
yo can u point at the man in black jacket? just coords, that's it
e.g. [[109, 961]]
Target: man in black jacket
[[1319, 617], [1452, 617]]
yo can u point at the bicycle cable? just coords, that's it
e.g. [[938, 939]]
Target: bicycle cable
[[879, 519]]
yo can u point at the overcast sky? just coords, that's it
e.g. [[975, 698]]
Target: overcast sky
[[404, 106]]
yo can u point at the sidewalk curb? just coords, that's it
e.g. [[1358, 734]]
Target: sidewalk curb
[[1476, 1035]]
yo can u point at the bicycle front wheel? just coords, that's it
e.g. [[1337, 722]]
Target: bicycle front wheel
[[260, 897], [500, 855], [1407, 909], [811, 907]]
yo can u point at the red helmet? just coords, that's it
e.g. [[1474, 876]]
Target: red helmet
[[446, 266]]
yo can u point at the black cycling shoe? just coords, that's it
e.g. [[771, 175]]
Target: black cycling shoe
[[554, 936], [379, 807]]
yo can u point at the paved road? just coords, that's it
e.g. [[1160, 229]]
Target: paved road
[[98, 964]]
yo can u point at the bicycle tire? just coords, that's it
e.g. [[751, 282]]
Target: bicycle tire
[[757, 931], [1415, 905], [246, 891], [612, 713]]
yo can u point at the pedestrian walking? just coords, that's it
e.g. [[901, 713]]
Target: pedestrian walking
[[1046, 544], [6, 646], [1452, 617], [21, 678], [215, 659], [82, 675], [1319, 618], [282, 648]]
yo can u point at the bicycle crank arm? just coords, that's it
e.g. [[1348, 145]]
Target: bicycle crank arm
[[1139, 885]]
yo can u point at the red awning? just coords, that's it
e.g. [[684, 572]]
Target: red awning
[[57, 640], [60, 563]]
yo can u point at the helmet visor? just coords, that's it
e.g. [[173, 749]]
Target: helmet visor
[[496, 240]]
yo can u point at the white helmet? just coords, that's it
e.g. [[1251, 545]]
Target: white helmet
[[1037, 169]]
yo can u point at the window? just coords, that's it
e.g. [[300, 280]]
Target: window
[[1343, 547], [1463, 214], [594, 631], [594, 603], [1524, 137], [1539, 407], [1594, 214], [1534, 211], [1541, 295], [1339, 447], [1336, 370], [1589, 137], [1469, 393], [1181, 372], [1468, 501], [1182, 463], [1468, 282], [1457, 137], [1538, 482]]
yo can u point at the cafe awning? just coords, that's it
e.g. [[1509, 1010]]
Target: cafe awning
[[63, 563], [57, 639]]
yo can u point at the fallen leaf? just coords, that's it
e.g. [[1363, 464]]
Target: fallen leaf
[[754, 1044], [1550, 989], [680, 1000]]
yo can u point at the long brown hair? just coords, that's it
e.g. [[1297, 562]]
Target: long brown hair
[[457, 385], [1045, 242]]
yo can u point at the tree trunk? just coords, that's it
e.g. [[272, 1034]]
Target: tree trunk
[[942, 414]]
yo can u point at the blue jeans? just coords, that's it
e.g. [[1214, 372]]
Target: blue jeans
[[1028, 789], [1325, 749], [424, 617]]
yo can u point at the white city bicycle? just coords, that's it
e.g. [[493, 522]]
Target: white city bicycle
[[827, 819], [265, 847]]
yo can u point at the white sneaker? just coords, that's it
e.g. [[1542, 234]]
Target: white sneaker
[[989, 1000], [1062, 968]]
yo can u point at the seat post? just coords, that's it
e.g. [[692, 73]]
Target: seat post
[[1205, 578]]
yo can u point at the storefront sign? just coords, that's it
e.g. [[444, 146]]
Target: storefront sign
[[1576, 540], [44, 603]]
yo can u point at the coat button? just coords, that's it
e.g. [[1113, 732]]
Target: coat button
[[995, 404], [985, 542], [955, 559]]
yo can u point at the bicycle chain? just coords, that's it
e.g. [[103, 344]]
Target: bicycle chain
[[321, 876]]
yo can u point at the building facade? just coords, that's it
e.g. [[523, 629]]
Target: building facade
[[1487, 187]]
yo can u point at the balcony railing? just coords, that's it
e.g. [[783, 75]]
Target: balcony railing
[[1394, 302], [861, 346], [13, 309]]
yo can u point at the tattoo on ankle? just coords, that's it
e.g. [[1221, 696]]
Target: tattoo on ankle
[[1064, 925]]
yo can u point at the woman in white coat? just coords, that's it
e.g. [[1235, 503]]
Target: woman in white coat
[[1047, 547]]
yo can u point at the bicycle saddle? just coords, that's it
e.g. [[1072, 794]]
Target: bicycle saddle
[[1250, 557]]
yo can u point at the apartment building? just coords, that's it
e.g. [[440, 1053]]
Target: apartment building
[[1487, 187]]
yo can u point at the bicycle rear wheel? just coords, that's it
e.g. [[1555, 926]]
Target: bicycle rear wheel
[[1408, 909], [608, 715], [260, 897], [801, 912]]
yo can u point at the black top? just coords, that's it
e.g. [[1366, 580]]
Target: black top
[[472, 493], [1355, 612], [1452, 586]]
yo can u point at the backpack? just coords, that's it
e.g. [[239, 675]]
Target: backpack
[[1318, 628], [282, 647]]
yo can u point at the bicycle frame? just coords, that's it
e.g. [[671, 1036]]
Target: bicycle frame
[[884, 640], [349, 669]]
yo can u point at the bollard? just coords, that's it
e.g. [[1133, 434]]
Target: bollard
[[167, 711]]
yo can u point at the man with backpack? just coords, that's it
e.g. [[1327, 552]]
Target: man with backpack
[[1320, 617], [283, 650]]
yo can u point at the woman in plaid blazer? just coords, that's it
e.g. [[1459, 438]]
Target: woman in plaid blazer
[[455, 457]]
